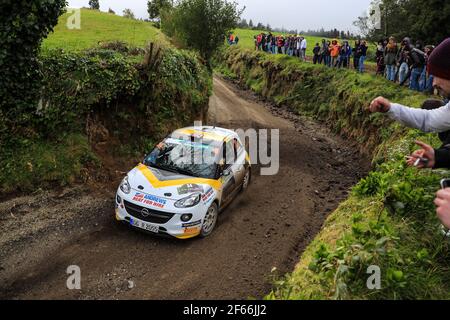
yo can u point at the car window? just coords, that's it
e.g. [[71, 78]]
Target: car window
[[230, 155], [238, 146]]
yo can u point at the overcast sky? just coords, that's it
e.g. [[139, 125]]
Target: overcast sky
[[291, 14]]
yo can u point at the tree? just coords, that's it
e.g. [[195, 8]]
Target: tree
[[23, 25], [127, 13], [250, 24], [111, 11], [423, 20], [94, 4], [154, 7], [204, 24]]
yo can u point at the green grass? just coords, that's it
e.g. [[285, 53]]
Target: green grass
[[97, 27], [31, 163]]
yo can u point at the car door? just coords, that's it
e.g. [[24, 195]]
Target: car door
[[239, 165], [228, 177]]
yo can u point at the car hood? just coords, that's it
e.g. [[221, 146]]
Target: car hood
[[168, 186]]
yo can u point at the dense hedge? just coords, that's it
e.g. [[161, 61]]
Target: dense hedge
[[137, 93], [389, 219], [23, 25]]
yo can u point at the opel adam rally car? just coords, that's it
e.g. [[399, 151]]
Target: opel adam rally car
[[182, 185]]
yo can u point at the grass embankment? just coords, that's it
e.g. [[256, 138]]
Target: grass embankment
[[97, 27], [111, 93], [389, 219]]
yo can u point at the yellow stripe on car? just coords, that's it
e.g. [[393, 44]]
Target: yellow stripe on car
[[148, 174], [205, 135]]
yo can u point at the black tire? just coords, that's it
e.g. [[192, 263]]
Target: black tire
[[210, 222], [247, 180]]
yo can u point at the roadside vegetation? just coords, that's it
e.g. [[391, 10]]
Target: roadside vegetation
[[389, 219], [96, 95]]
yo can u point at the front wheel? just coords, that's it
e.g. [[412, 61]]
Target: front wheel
[[247, 180], [210, 221]]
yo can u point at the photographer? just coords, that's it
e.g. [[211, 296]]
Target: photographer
[[437, 120], [434, 120]]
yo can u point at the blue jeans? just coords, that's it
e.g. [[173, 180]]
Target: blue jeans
[[390, 72], [423, 80], [415, 77], [429, 84], [361, 64], [403, 72]]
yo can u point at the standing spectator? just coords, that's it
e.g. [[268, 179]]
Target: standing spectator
[[269, 42], [362, 59], [281, 44], [274, 44], [334, 52], [344, 55], [236, 39], [316, 52], [356, 54], [323, 51], [427, 77], [287, 43], [404, 61], [418, 64], [380, 58], [327, 54], [303, 47], [390, 54]]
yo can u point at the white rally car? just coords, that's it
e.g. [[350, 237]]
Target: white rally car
[[180, 188]]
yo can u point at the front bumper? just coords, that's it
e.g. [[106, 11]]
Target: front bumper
[[167, 223]]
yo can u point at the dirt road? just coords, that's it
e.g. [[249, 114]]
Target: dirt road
[[41, 234]]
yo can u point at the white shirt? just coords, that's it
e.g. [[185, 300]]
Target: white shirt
[[303, 45], [437, 120]]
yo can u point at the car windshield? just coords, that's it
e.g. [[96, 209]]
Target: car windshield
[[186, 156]]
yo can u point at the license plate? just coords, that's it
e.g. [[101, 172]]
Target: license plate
[[144, 225]]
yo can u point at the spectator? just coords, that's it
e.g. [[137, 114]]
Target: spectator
[[418, 64], [303, 47], [437, 120], [390, 55], [426, 79], [236, 40], [344, 55], [356, 54], [404, 61], [380, 58], [362, 59], [281, 45], [317, 53], [334, 52], [269, 42]]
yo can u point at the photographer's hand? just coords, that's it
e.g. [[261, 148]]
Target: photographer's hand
[[380, 104], [442, 203], [427, 152]]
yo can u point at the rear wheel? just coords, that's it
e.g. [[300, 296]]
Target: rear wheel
[[210, 221]]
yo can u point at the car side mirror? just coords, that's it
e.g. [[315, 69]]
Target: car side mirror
[[226, 173]]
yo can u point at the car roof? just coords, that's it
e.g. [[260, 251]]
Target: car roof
[[207, 132]]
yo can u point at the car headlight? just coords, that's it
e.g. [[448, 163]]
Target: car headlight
[[189, 202], [125, 186]]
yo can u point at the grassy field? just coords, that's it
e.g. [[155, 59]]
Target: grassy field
[[246, 40], [100, 27]]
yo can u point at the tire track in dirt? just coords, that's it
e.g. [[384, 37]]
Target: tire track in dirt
[[264, 228]]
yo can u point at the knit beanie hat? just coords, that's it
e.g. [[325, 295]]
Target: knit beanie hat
[[439, 61]]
